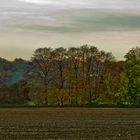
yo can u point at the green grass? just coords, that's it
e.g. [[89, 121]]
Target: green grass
[[69, 123]]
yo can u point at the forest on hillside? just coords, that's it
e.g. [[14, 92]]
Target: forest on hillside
[[76, 76]]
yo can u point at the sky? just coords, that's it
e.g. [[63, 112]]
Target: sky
[[89, 3], [25, 25]]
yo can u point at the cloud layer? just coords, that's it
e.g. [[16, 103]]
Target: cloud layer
[[123, 4], [31, 24]]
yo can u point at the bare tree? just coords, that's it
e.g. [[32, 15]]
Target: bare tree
[[42, 60]]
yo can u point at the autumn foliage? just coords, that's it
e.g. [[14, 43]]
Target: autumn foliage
[[75, 76]]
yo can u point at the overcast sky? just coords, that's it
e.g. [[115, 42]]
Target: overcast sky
[[28, 12], [90, 3], [77, 3], [23, 8]]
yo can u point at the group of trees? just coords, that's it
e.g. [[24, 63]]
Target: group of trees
[[79, 76]]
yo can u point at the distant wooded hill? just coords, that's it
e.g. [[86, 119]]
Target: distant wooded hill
[[13, 71]]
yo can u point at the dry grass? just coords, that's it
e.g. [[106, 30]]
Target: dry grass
[[69, 123]]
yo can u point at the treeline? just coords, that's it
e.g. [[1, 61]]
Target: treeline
[[76, 76]]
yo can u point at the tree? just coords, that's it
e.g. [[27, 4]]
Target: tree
[[123, 86], [59, 68], [42, 60], [133, 73], [110, 82], [73, 73]]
